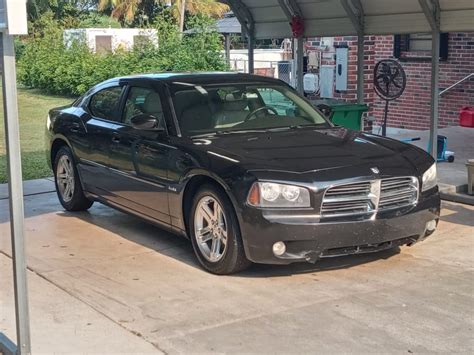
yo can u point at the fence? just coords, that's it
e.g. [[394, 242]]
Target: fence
[[274, 69]]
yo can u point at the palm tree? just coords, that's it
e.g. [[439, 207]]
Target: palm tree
[[211, 8], [126, 9]]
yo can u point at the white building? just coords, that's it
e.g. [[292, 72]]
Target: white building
[[111, 39]]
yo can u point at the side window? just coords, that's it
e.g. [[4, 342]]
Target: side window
[[142, 101], [104, 103], [277, 100]]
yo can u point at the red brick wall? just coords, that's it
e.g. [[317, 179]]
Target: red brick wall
[[412, 109]]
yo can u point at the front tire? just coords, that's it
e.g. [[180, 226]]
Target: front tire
[[215, 233], [68, 185]]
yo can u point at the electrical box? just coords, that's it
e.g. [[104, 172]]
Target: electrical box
[[313, 60], [326, 81], [341, 68], [311, 83], [13, 17]]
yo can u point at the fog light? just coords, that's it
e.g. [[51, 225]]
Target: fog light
[[279, 248], [431, 226]]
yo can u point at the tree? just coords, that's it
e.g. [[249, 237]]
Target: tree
[[60, 8], [125, 10]]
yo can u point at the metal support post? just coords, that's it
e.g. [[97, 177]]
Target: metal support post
[[298, 62], [432, 10], [227, 48], [360, 68], [15, 189], [251, 44], [434, 94]]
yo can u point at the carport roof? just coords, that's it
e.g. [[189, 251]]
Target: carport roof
[[332, 17]]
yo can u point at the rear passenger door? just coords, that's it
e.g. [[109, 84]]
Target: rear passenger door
[[139, 158]]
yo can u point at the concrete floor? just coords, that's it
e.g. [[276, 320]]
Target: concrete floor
[[105, 282]]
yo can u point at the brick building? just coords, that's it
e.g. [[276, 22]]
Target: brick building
[[412, 109]]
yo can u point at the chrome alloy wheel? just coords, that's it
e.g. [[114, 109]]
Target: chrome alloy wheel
[[210, 228], [65, 178]]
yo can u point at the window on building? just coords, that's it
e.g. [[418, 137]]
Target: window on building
[[141, 41], [103, 44], [417, 46]]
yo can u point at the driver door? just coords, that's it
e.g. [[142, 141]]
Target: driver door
[[139, 158]]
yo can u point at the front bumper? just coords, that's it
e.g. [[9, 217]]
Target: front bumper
[[309, 241]]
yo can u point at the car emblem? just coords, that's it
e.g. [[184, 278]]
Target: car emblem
[[375, 170]]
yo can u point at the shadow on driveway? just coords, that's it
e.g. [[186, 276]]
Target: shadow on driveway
[[152, 237]]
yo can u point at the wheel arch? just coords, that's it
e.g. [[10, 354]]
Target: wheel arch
[[192, 185], [56, 143]]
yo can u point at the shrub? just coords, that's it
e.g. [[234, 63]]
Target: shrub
[[47, 64]]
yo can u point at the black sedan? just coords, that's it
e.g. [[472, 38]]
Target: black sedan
[[243, 166]]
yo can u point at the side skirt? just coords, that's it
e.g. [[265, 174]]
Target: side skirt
[[148, 219]]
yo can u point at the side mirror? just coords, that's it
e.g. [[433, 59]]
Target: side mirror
[[145, 122]]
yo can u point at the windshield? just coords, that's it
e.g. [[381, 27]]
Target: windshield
[[228, 108]]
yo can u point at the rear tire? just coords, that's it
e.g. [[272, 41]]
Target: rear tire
[[68, 185], [215, 232]]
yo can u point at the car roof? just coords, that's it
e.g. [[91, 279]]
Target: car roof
[[194, 77]]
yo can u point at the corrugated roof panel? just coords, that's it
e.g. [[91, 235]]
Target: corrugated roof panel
[[328, 18], [457, 21], [325, 9], [456, 4], [268, 14], [388, 7]]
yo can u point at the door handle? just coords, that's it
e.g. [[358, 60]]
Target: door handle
[[115, 138], [75, 127]]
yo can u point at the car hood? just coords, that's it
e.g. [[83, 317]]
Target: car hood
[[304, 150]]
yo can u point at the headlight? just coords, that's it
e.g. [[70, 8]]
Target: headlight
[[429, 178], [273, 195], [48, 123]]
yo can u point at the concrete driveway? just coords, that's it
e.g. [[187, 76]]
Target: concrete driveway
[[102, 281]]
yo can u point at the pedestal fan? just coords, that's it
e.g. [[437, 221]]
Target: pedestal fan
[[389, 83]]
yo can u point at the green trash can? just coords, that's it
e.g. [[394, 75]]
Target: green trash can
[[342, 113]]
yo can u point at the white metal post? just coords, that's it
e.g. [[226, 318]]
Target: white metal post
[[434, 94], [15, 189]]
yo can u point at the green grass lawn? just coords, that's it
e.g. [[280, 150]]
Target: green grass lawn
[[33, 109]]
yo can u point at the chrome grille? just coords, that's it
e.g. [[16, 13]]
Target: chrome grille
[[369, 197], [398, 193], [347, 200]]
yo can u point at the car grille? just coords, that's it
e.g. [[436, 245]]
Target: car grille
[[347, 200], [397, 193], [369, 197]]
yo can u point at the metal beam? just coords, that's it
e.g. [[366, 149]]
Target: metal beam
[[15, 192], [290, 8], [355, 12], [432, 10]]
